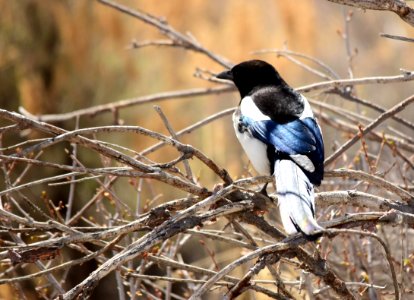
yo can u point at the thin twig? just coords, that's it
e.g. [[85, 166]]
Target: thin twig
[[72, 187], [187, 41], [167, 124], [386, 250], [378, 181], [389, 113], [343, 83], [397, 37], [119, 104]]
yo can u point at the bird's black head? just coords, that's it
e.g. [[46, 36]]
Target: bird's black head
[[251, 74]]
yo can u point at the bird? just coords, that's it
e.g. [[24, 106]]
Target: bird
[[277, 129]]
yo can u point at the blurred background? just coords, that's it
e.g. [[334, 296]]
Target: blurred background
[[57, 56]]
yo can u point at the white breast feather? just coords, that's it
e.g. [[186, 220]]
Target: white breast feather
[[307, 110], [255, 149]]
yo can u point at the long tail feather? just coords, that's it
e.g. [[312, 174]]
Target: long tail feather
[[296, 199]]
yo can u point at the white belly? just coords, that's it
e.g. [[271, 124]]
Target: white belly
[[255, 149]]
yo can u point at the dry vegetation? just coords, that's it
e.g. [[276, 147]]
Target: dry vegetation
[[92, 205]]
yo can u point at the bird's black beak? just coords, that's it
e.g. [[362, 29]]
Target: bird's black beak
[[225, 75]]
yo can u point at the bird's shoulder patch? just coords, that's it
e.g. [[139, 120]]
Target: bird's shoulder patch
[[250, 109]]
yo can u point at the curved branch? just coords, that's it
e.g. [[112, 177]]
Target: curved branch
[[399, 7], [378, 181]]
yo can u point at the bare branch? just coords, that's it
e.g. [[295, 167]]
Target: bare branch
[[187, 41], [378, 181], [399, 7], [119, 104], [288, 53], [397, 37], [386, 250], [343, 83], [389, 113]]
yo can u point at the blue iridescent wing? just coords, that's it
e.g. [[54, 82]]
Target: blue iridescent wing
[[298, 137]]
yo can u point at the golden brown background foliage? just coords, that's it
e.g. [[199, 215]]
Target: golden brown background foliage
[[57, 56]]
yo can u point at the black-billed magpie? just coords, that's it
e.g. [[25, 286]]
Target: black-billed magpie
[[277, 130]]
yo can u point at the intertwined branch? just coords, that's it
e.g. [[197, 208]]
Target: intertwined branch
[[368, 186]]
